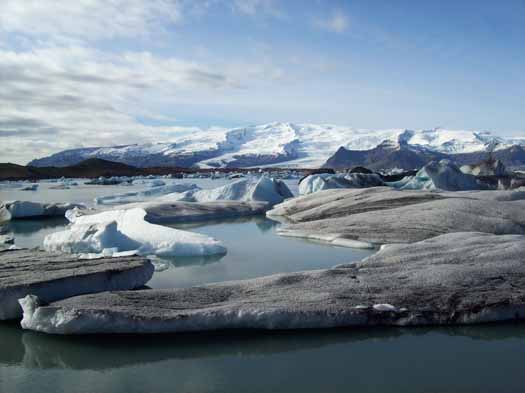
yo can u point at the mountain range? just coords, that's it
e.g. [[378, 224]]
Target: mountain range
[[302, 146], [388, 155]]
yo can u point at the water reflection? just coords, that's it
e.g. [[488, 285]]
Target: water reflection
[[35, 350], [31, 226], [187, 261], [261, 222], [254, 250]]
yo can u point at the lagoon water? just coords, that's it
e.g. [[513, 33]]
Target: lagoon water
[[454, 360], [459, 359]]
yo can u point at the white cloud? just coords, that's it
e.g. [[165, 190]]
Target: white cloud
[[337, 22], [53, 98], [256, 7], [60, 91], [57, 98], [87, 19]]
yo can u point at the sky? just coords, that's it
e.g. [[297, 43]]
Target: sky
[[105, 72]]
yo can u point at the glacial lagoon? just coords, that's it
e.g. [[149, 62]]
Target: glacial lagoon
[[456, 359]]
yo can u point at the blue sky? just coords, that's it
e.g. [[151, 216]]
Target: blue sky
[[96, 72]]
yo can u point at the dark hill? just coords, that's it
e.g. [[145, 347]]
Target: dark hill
[[408, 157], [90, 168], [384, 156]]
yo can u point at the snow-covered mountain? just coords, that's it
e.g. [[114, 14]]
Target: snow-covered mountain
[[280, 144]]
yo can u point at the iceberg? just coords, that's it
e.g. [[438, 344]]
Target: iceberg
[[326, 181], [416, 221], [489, 167], [114, 231], [344, 202], [149, 182], [402, 285], [439, 175], [265, 189], [110, 181], [24, 209], [7, 240], [139, 196], [54, 277], [184, 212], [31, 187]]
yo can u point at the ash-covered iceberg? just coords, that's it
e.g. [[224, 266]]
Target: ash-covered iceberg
[[54, 277], [457, 278], [439, 175], [327, 181], [116, 231]]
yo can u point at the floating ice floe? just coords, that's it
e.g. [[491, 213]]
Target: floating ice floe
[[326, 181], [184, 212], [31, 187], [109, 181], [439, 175], [62, 183], [10, 184], [115, 231], [53, 277], [7, 240], [264, 189], [60, 187], [24, 209], [403, 285], [149, 182], [139, 196], [380, 215]]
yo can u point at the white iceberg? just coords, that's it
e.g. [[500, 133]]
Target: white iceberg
[[149, 182], [24, 209], [140, 196], [31, 187], [489, 167], [326, 181], [264, 189], [115, 231], [439, 175], [110, 181]]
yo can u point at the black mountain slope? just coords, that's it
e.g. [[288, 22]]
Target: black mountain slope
[[408, 157], [384, 156]]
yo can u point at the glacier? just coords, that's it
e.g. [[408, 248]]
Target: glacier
[[279, 143]]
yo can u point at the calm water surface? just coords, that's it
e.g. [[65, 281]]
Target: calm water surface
[[455, 360], [461, 359]]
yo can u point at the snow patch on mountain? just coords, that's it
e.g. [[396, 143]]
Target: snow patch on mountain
[[281, 144]]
